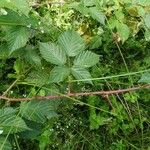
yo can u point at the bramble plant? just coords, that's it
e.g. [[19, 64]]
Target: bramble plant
[[74, 74], [72, 45]]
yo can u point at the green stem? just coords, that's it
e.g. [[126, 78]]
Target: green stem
[[16, 141]]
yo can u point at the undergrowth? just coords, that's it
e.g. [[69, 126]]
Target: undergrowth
[[59, 50]]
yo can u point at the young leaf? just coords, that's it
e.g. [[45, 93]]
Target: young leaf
[[52, 53], [81, 73], [97, 15], [58, 74], [71, 42], [86, 59], [17, 37], [21, 5]]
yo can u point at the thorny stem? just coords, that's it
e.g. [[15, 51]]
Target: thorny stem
[[102, 93]]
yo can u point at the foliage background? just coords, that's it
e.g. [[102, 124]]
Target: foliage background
[[113, 36]]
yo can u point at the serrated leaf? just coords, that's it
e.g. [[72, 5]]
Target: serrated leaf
[[5, 144], [16, 5], [145, 78], [39, 111], [10, 122], [52, 53], [17, 37], [96, 14], [81, 73], [86, 59], [58, 74], [71, 42]]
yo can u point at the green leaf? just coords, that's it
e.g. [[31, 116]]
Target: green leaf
[[86, 59], [80, 7], [141, 2], [96, 42], [97, 120], [97, 15], [32, 56], [39, 111], [119, 15], [89, 2], [18, 66], [147, 20], [4, 51], [10, 122], [147, 35], [44, 139], [36, 129], [52, 53], [71, 42], [81, 73], [16, 5], [38, 77], [112, 22], [17, 37], [5, 144], [58, 74], [145, 78], [14, 19], [123, 31]]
